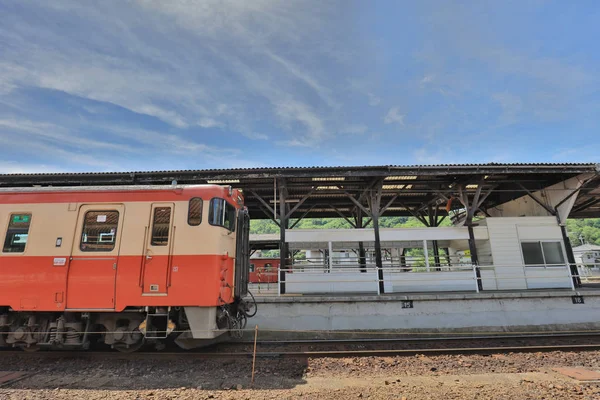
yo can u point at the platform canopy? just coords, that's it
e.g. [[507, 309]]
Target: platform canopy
[[414, 190]]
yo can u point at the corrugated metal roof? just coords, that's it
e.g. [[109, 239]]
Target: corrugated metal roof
[[595, 166], [503, 182], [115, 188]]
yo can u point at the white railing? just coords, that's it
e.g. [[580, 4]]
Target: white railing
[[352, 278], [589, 272]]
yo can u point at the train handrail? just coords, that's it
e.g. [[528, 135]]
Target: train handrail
[[170, 261], [144, 252]]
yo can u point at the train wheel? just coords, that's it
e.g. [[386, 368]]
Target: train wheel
[[31, 349], [123, 348]]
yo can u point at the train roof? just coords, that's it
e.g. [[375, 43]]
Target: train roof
[[111, 188]]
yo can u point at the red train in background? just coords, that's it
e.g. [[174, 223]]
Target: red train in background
[[264, 270]]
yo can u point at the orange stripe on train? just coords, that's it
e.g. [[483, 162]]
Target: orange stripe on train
[[36, 284]]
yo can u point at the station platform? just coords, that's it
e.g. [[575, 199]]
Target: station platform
[[459, 313]]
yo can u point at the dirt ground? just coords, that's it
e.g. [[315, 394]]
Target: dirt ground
[[499, 376]]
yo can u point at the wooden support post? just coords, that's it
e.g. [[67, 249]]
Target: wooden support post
[[434, 223], [362, 259], [570, 257], [426, 254], [283, 224], [474, 257], [471, 209], [375, 201], [448, 260], [436, 255], [330, 248]]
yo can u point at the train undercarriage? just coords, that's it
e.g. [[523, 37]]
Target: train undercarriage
[[125, 331]]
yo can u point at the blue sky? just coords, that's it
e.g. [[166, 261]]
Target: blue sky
[[145, 85]]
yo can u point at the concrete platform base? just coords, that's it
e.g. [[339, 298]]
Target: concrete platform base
[[427, 314]]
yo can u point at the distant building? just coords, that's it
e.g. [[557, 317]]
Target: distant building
[[588, 254]]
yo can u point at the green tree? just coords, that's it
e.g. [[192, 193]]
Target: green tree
[[588, 229]]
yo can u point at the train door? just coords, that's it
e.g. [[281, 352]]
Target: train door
[[91, 279], [159, 249]]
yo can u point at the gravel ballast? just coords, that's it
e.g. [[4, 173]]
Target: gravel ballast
[[498, 376]]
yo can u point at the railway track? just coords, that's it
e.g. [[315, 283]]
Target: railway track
[[353, 347], [316, 354]]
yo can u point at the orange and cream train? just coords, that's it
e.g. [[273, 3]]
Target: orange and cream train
[[122, 265]]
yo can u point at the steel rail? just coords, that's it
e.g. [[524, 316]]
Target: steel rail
[[499, 336], [304, 354], [221, 350]]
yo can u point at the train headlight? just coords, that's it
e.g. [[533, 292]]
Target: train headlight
[[142, 327], [170, 327]]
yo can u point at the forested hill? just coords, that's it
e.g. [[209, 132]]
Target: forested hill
[[588, 229]]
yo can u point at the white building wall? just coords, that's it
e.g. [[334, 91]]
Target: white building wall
[[506, 252], [506, 235]]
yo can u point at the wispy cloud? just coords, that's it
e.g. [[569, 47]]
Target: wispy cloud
[[356, 129], [256, 136], [427, 156], [209, 123], [12, 167], [323, 92], [394, 116], [294, 111], [295, 143], [427, 79], [101, 85], [169, 143], [373, 100], [47, 140], [48, 132], [213, 70]]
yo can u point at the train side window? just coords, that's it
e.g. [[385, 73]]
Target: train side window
[[99, 231], [252, 267], [17, 233], [222, 213], [195, 211], [160, 226]]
